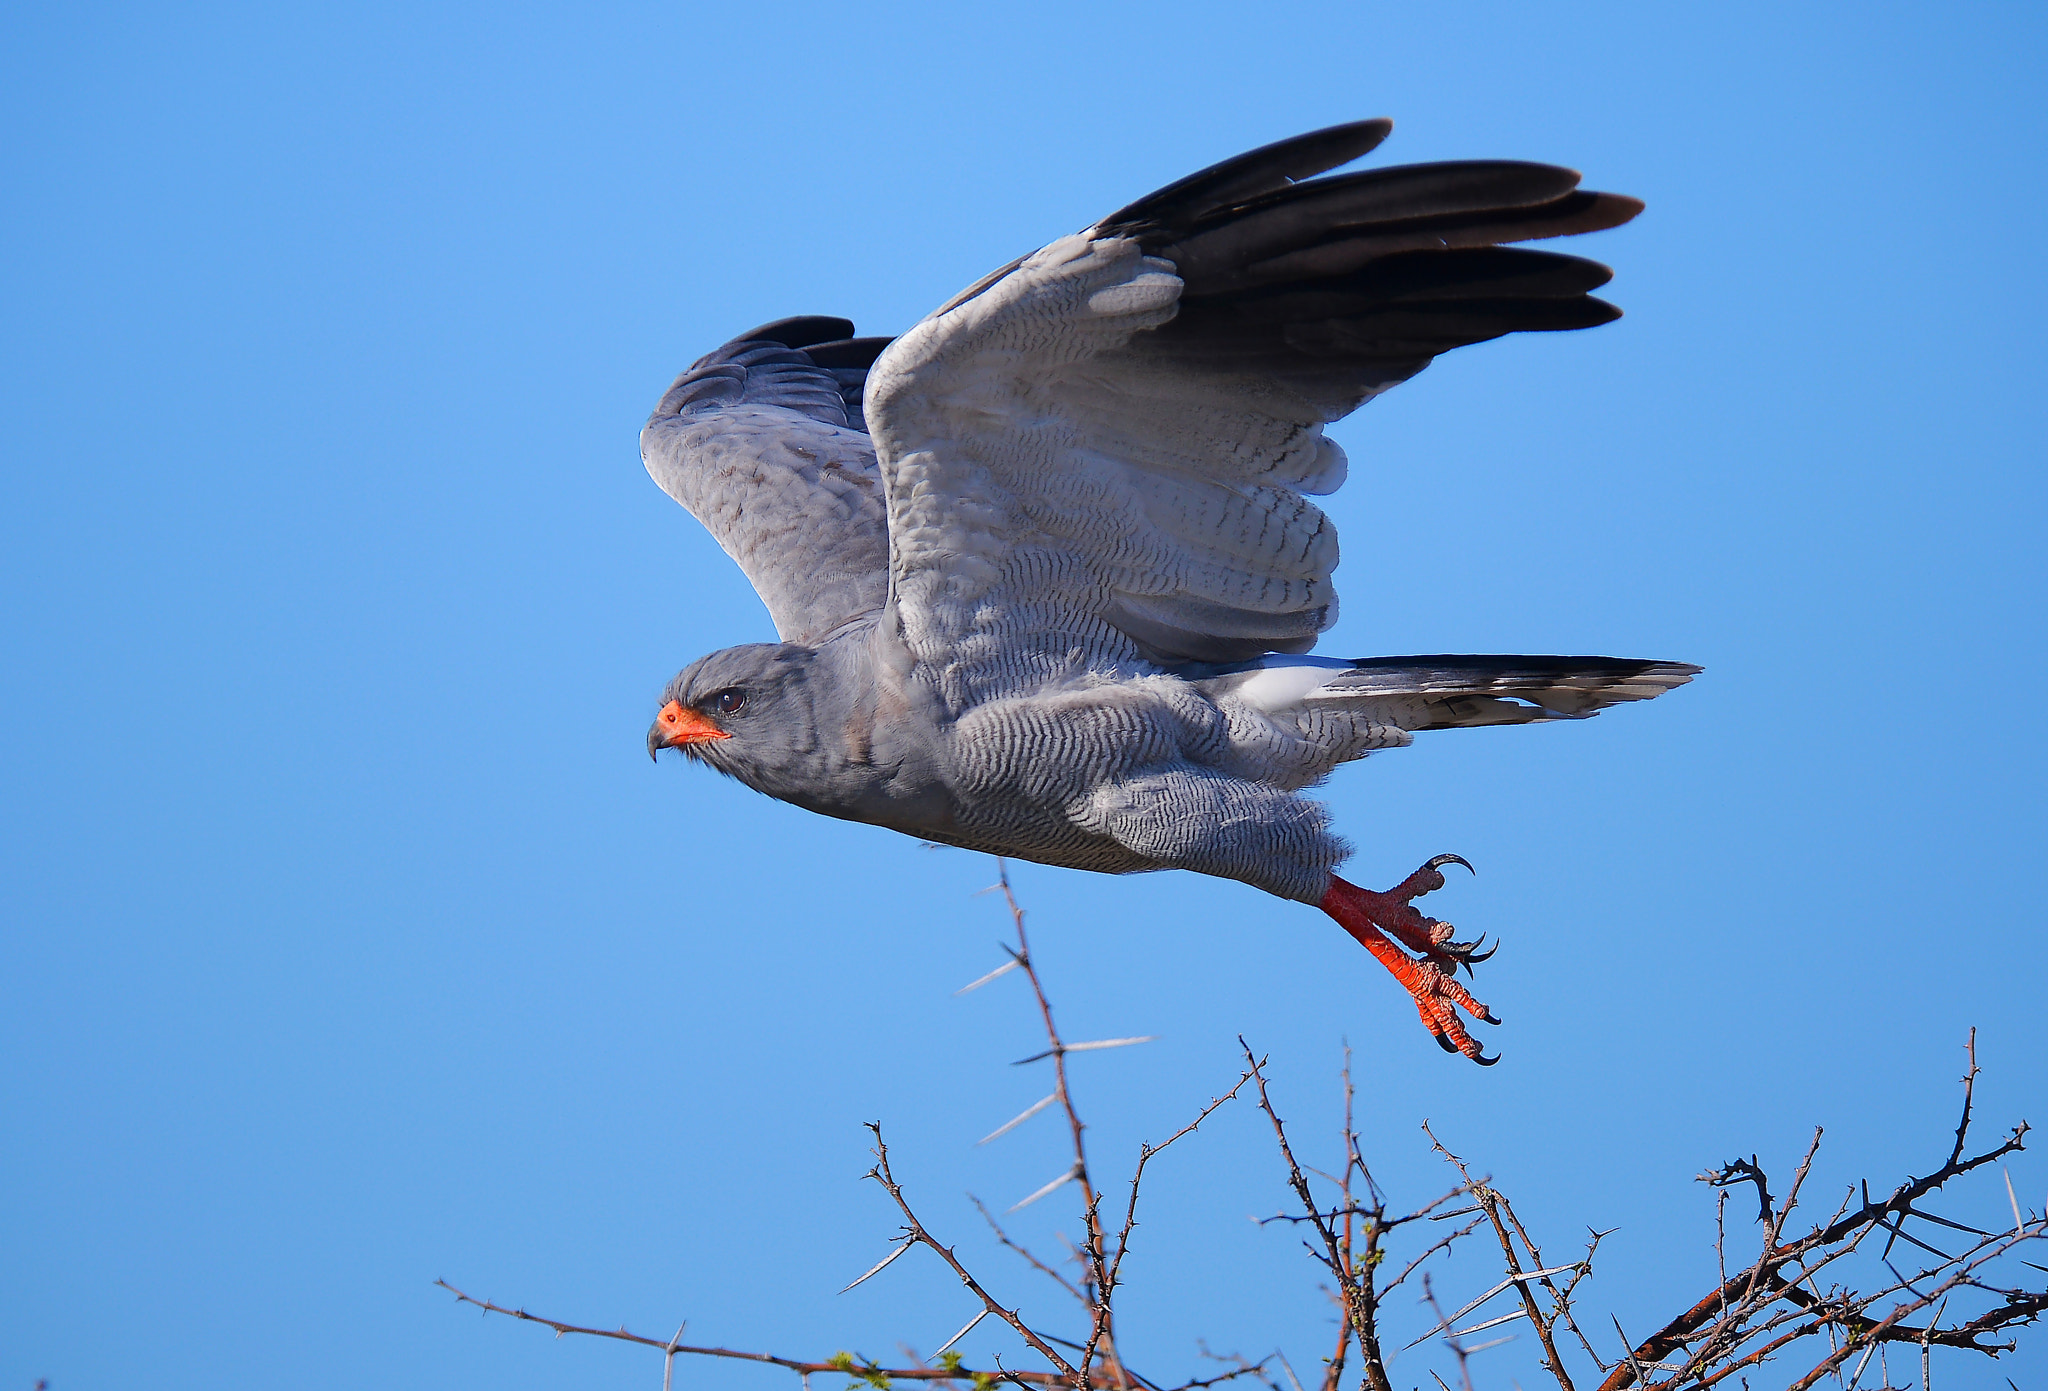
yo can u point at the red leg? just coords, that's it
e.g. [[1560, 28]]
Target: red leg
[[1431, 982]]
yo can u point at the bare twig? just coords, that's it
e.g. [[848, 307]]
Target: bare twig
[[670, 1348], [1035, 1263], [1500, 1214], [1777, 1297], [1356, 1294], [1095, 1254], [1793, 1296], [1451, 1340], [915, 1231], [1145, 1154]]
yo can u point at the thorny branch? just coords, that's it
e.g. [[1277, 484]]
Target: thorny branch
[[1096, 1278], [914, 1230], [1024, 1253], [1101, 1259], [1789, 1295], [1099, 1364], [1778, 1298], [1352, 1256], [841, 1363], [1755, 1315], [1501, 1214]]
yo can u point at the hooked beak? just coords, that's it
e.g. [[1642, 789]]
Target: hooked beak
[[676, 726]]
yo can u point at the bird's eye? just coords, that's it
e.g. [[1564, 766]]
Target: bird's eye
[[731, 702]]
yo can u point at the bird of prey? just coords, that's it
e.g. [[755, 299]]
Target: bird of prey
[[1045, 567]]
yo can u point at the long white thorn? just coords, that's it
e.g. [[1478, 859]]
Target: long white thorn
[[1107, 1043], [1490, 1323], [1462, 1332], [877, 1267], [1084, 1048], [668, 1361], [1864, 1363], [1511, 1280], [1068, 1177], [1002, 970], [1007, 1126], [944, 1347]]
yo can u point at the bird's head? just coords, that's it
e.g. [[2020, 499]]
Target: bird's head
[[744, 711]]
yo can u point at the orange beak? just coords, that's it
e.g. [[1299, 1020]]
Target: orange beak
[[676, 726]]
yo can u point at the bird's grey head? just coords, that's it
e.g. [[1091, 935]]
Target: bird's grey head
[[745, 711]]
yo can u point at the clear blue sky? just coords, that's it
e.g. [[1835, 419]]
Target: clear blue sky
[[351, 941]]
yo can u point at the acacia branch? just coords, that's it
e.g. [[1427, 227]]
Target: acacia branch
[[1095, 1256], [1788, 1293], [1492, 1202], [1145, 1153], [1727, 1317], [842, 1363], [915, 1231], [1356, 1294], [1025, 1252]]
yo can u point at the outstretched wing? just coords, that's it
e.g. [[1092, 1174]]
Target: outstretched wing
[[763, 441], [1106, 446]]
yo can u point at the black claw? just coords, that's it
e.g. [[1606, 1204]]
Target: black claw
[[1444, 1043], [1490, 1017], [1485, 1061], [1439, 861], [1467, 954]]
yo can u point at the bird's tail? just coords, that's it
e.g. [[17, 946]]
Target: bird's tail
[[1456, 691]]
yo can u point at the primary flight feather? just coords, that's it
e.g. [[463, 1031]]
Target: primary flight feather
[[1045, 566]]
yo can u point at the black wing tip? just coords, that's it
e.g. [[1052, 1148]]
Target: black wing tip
[[1621, 207], [799, 331], [1599, 311], [1383, 269], [847, 352], [1254, 172]]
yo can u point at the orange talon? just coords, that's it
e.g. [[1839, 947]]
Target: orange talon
[[1430, 982]]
